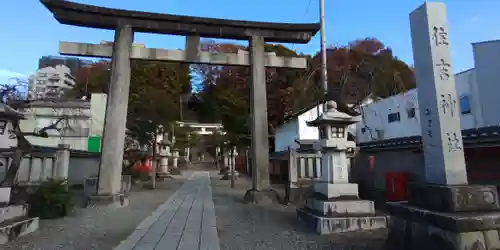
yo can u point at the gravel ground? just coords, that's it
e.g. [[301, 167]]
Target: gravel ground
[[99, 228], [247, 226]]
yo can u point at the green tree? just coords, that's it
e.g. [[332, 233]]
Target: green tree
[[155, 92]]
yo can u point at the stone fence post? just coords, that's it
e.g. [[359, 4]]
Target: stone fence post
[[62, 161]]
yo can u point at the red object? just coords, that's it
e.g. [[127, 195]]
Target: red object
[[143, 167], [372, 161], [396, 184], [240, 163]]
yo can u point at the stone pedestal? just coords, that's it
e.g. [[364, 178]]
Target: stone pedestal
[[335, 206], [163, 169], [225, 167], [229, 175], [335, 190], [116, 201], [446, 218]]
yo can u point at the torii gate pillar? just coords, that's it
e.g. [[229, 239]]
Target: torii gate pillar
[[116, 114]]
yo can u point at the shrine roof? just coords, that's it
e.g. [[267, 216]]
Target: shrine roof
[[67, 12]]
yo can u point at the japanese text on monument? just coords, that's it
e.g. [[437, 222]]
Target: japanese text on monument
[[447, 102]]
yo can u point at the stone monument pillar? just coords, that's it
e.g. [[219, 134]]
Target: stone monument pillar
[[444, 212], [335, 207], [62, 161]]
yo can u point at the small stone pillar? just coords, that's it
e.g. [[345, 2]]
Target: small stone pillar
[[231, 165], [233, 158], [225, 163], [335, 207], [175, 162], [217, 157], [62, 161], [186, 155]]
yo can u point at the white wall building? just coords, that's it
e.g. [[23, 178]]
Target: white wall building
[[478, 90], [85, 121], [295, 128], [51, 82]]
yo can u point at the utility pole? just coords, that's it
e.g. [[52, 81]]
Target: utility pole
[[324, 75]]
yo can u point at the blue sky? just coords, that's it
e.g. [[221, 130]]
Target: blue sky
[[29, 31]]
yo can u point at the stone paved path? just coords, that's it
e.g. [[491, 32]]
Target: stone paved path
[[186, 221]]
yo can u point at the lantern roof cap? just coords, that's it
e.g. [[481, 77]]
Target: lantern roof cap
[[333, 117]]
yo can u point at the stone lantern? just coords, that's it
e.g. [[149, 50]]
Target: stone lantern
[[164, 152], [332, 126], [335, 207], [225, 155]]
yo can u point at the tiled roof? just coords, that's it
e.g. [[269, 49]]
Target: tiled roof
[[484, 134]]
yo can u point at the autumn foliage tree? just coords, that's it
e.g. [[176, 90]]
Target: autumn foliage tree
[[363, 68]]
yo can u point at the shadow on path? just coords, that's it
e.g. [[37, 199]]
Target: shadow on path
[[248, 226]]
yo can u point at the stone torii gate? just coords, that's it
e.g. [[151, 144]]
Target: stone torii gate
[[126, 22]]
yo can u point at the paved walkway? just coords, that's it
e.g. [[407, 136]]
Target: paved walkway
[[186, 221]]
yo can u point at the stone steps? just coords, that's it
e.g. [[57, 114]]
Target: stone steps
[[9, 212], [348, 223], [16, 227]]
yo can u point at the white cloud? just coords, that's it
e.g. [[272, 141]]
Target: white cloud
[[7, 75], [475, 18]]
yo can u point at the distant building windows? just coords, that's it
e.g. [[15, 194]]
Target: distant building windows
[[465, 105], [411, 113], [393, 117]]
